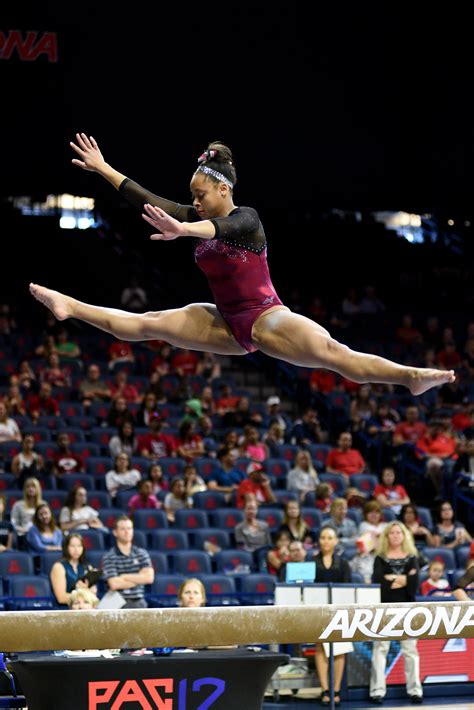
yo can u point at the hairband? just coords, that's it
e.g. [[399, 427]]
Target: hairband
[[215, 174]]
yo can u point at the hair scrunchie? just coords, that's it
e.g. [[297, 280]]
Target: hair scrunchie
[[207, 155]]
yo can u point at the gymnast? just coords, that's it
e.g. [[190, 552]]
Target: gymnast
[[247, 314]]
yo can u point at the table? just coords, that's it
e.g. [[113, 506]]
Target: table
[[219, 680]]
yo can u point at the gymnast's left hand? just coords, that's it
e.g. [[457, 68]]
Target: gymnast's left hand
[[168, 227]]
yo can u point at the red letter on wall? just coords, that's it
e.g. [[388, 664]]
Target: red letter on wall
[[131, 691], [167, 684], [94, 699]]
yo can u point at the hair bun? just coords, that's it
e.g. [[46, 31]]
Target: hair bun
[[207, 155]]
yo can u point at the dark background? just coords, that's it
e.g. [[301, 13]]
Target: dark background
[[352, 107]]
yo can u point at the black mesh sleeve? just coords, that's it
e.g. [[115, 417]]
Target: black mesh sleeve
[[138, 196], [242, 227]]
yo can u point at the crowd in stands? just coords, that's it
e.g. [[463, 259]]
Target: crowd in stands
[[92, 429]]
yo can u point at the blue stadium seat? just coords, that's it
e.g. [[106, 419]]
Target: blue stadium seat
[[171, 466], [226, 519], [364, 482], [164, 590], [278, 468], [336, 481], [272, 516], [220, 590], [109, 515], [206, 466], [93, 540], [424, 516], [98, 466], [319, 454], [47, 560], [312, 517], [159, 562], [13, 562], [102, 435], [24, 591], [257, 589], [84, 448], [209, 500], [288, 452], [76, 480], [462, 554], [55, 500], [99, 500], [149, 520], [283, 497], [190, 519], [221, 538], [191, 562], [443, 554], [123, 497], [169, 540], [229, 561], [7, 481], [388, 515], [38, 433]]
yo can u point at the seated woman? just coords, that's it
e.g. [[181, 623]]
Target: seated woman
[[192, 593], [279, 555], [44, 535], [27, 463], [252, 534], [77, 515], [176, 499], [144, 498], [82, 599], [21, 515], [303, 477], [390, 494], [67, 573], [330, 567], [449, 532], [122, 477], [421, 535], [464, 587], [294, 524]]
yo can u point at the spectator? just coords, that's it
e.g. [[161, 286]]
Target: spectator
[[23, 511], [449, 532], [226, 402], [158, 482], [411, 429], [93, 389], [464, 466], [122, 477], [228, 478], [273, 439], [388, 493], [363, 563], [66, 461], [420, 533], [363, 407], [252, 534], [156, 444], [209, 367], [42, 404], [307, 430], [192, 410], [193, 482], [176, 499], [396, 570], [192, 593], [82, 599], [251, 447], [44, 535], [14, 402], [206, 398], [303, 477], [371, 527], [370, 304], [406, 334], [25, 377], [185, 362], [65, 347], [76, 514], [231, 441], [436, 585], [125, 441], [243, 415], [257, 483], [294, 524], [350, 305], [144, 499], [437, 448], [296, 553], [27, 463], [120, 353], [344, 459], [279, 555], [9, 430], [54, 374], [323, 497], [331, 568], [119, 413], [148, 409], [449, 358], [68, 573], [189, 445], [127, 568], [122, 388], [6, 529], [275, 415], [345, 527]]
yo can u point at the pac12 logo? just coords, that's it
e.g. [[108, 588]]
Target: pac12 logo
[[155, 693]]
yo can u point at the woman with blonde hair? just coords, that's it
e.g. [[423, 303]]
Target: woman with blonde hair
[[23, 510], [192, 593], [302, 477], [294, 524], [396, 570]]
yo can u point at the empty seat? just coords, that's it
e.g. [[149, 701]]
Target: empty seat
[[232, 561], [209, 500], [169, 540], [219, 538], [257, 589], [149, 520], [13, 562], [191, 562], [187, 519]]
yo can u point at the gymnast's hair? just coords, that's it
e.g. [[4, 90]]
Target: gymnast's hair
[[217, 162]]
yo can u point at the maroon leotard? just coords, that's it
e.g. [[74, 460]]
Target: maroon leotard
[[234, 262]]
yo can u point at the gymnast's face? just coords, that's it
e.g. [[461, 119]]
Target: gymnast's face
[[210, 198]]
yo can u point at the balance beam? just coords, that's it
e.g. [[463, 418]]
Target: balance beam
[[216, 626]]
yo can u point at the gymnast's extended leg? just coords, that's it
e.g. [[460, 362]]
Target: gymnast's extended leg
[[299, 340], [198, 326]]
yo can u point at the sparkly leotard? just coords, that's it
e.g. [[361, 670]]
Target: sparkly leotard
[[234, 262]]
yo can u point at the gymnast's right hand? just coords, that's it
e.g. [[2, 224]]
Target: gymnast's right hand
[[88, 150]]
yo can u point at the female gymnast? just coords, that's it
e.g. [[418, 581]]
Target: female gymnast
[[247, 315]]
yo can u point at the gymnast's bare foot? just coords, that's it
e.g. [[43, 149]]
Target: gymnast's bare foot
[[58, 303], [423, 379]]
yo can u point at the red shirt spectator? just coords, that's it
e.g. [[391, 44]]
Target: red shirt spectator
[[449, 358], [42, 404], [322, 381], [256, 484], [436, 443], [345, 459], [185, 361], [120, 351], [411, 429], [64, 460], [155, 444]]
